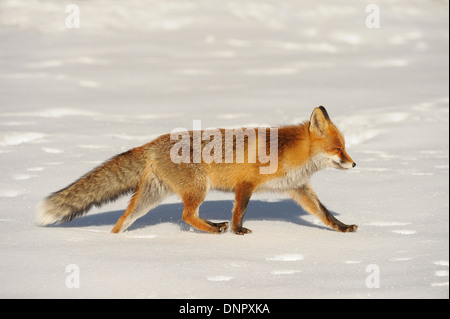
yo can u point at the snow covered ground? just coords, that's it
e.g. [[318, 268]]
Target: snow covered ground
[[71, 98]]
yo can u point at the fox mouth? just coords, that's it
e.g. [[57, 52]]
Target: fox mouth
[[343, 165], [339, 166]]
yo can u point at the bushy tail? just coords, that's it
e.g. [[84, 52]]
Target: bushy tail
[[118, 176]]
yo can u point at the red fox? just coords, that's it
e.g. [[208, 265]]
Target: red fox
[[151, 173]]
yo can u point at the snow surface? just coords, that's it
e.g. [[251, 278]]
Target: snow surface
[[71, 98]]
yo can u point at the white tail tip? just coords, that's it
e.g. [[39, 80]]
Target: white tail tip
[[44, 215]]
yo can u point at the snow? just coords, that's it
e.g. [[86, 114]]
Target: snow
[[72, 98]]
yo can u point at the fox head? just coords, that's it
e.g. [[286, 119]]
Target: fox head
[[327, 143]]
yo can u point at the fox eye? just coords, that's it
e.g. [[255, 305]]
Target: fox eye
[[338, 149]]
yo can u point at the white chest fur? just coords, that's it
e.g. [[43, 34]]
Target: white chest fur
[[296, 177]]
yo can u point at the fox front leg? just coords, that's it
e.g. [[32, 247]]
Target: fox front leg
[[306, 197]]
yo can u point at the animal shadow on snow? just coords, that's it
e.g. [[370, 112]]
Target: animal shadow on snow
[[220, 210]]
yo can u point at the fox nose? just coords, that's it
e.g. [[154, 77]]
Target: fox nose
[[354, 164]]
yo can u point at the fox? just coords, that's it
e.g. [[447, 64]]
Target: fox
[[150, 174]]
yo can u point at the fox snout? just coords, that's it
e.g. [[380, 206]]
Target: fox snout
[[346, 161], [345, 165], [341, 160]]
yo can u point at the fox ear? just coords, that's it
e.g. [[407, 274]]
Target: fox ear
[[319, 121]]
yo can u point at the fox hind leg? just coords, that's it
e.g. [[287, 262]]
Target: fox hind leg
[[191, 204], [149, 194]]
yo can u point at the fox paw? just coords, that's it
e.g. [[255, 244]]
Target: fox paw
[[220, 227], [347, 228], [241, 230]]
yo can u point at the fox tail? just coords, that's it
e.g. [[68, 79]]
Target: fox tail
[[116, 177]]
